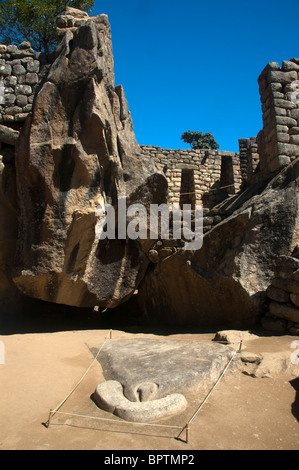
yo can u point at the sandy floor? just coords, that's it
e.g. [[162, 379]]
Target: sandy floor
[[40, 370]]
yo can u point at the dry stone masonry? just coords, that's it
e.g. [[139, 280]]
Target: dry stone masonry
[[194, 176], [279, 139], [283, 295], [198, 176], [71, 20], [20, 74], [249, 158]]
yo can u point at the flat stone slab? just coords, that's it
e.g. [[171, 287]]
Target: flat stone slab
[[149, 369], [109, 397]]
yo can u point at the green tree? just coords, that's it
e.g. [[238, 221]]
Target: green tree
[[198, 140], [34, 21]]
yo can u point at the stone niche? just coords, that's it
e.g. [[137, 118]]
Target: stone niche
[[198, 176]]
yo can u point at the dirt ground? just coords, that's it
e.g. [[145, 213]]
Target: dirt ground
[[40, 369]]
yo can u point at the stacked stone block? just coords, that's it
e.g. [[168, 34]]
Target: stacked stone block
[[249, 158], [20, 72], [283, 295], [279, 139], [207, 165], [70, 20]]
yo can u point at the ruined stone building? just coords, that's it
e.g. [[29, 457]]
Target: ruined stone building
[[55, 178], [194, 176]]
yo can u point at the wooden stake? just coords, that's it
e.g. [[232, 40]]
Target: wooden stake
[[187, 433], [49, 420]]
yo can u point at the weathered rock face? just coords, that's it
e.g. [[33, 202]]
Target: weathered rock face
[[78, 150], [8, 217], [225, 281]]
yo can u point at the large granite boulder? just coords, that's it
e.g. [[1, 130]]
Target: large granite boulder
[[225, 282], [75, 152]]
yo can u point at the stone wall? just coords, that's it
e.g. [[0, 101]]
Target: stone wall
[[278, 141], [194, 176], [249, 158], [21, 70], [283, 294], [212, 175], [198, 176], [20, 74]]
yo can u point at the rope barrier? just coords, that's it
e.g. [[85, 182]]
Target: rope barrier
[[186, 427], [121, 422], [210, 392], [209, 190], [53, 412]]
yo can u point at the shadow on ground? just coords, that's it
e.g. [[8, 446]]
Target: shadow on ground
[[36, 316], [42, 317], [295, 405]]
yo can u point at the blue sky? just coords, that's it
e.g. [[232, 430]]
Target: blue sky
[[194, 65]]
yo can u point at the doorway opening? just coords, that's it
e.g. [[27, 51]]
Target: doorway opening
[[187, 192]]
